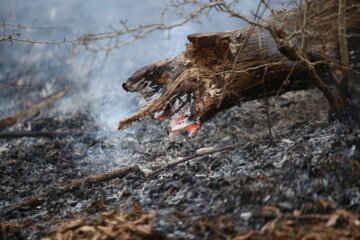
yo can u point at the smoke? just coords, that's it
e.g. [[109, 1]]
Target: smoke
[[94, 81], [32, 71]]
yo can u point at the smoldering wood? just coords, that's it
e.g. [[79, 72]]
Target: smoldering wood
[[36, 200], [196, 82]]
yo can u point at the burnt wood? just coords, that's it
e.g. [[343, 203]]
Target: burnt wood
[[205, 79]]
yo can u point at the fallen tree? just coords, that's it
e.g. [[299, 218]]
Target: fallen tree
[[290, 50]]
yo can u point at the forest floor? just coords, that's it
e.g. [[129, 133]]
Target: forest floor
[[300, 182]]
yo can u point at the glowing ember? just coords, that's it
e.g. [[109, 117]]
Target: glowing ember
[[181, 120], [192, 127], [162, 117]]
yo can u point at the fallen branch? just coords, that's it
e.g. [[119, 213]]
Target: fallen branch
[[34, 201], [199, 153], [34, 110], [47, 134]]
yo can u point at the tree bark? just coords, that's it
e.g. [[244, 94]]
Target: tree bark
[[209, 76]]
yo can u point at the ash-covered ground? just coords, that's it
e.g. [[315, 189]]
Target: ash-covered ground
[[307, 160]]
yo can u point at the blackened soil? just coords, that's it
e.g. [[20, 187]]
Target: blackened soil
[[306, 160]]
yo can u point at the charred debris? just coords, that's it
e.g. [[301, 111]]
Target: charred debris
[[274, 168]]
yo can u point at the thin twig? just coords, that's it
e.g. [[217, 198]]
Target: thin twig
[[14, 37], [267, 104], [286, 81], [344, 51], [333, 62], [196, 155], [137, 32], [239, 52], [304, 39], [10, 25]]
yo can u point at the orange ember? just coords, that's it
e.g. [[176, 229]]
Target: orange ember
[[162, 117], [192, 127]]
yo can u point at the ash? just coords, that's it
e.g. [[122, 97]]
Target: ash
[[306, 160]]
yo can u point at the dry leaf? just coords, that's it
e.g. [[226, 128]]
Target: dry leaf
[[271, 209], [290, 223], [332, 220], [108, 230], [108, 213], [86, 228], [270, 226], [357, 223], [316, 236], [326, 204], [144, 229], [71, 225], [297, 212], [244, 236]]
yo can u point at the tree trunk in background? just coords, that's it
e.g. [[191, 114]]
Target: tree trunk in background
[[195, 85]]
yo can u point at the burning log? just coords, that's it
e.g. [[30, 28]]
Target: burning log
[[224, 69]]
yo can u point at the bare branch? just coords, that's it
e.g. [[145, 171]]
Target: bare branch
[[267, 102], [344, 53], [15, 37], [286, 81], [14, 26], [137, 32], [233, 74], [304, 42]]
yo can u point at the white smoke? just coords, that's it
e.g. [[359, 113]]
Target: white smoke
[[94, 84], [100, 90]]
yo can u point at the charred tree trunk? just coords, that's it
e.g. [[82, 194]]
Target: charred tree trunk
[[298, 49]]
